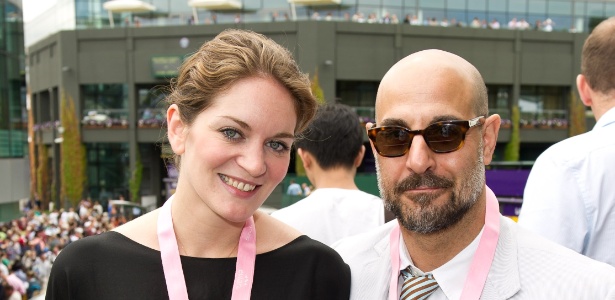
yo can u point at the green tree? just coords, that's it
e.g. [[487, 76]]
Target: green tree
[[511, 153], [42, 175], [135, 179], [577, 116], [72, 151]]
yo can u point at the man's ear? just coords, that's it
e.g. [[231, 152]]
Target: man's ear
[[368, 126], [584, 90], [359, 158], [491, 129], [306, 158], [176, 130]]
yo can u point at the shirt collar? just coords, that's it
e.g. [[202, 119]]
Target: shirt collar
[[448, 274], [606, 119]]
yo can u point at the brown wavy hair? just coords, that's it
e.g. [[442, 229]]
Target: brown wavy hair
[[231, 56]]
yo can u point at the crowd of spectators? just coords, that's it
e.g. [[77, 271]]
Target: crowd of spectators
[[514, 23], [30, 244]]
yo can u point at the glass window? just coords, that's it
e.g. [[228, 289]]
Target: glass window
[[579, 8], [499, 101], [105, 104], [456, 4], [431, 4], [595, 9], [517, 7], [544, 106], [500, 17], [563, 23], [152, 107], [391, 3], [560, 8], [370, 2], [477, 4], [108, 170], [537, 7], [457, 16], [496, 5], [610, 9], [358, 94]]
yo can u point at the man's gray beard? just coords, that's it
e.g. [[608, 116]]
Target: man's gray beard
[[428, 218]]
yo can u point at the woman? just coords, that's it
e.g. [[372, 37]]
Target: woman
[[234, 111]]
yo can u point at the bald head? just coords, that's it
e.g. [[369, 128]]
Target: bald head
[[434, 70]]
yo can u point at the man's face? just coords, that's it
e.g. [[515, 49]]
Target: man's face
[[429, 191]]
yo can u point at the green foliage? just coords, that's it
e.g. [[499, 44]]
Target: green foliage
[[135, 179], [42, 175], [316, 89], [511, 153], [73, 159], [577, 116]]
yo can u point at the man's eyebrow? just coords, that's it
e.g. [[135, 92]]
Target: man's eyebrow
[[403, 123], [393, 122]]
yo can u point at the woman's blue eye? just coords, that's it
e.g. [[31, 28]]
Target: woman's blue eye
[[278, 146], [231, 134]]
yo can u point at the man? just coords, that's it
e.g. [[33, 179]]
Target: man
[[293, 188], [332, 150], [569, 197], [433, 137]]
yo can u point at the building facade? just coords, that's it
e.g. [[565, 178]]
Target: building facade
[[116, 75], [14, 170]]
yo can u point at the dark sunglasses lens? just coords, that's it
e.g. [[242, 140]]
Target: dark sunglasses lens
[[392, 142], [443, 137]]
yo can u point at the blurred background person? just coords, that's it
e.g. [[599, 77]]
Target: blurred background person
[[331, 150]]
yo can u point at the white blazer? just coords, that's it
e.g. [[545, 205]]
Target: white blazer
[[525, 266]]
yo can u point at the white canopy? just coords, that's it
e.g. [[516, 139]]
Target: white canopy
[[215, 4], [132, 6], [315, 2], [119, 6]]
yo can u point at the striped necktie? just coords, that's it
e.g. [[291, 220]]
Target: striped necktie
[[417, 287]]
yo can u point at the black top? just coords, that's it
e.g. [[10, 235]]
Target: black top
[[112, 266]]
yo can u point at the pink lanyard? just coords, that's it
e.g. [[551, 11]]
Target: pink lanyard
[[477, 276], [171, 263]]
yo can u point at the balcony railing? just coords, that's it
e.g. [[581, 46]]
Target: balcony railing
[[105, 118], [152, 118]]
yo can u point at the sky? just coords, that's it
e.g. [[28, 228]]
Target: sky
[[33, 8]]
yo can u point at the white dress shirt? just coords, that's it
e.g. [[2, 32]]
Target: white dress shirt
[[569, 197], [330, 214], [451, 276]]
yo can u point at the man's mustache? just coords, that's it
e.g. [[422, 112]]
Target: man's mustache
[[427, 180]]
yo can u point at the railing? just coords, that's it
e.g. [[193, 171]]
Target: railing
[[151, 118], [105, 118]]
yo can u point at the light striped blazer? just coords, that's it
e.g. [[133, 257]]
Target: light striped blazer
[[525, 266]]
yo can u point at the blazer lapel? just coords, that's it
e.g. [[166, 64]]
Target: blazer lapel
[[503, 281]]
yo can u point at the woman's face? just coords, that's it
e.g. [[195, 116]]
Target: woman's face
[[237, 150]]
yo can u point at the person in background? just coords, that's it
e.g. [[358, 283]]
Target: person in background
[[569, 196], [331, 150], [234, 111], [433, 137], [306, 189], [293, 188]]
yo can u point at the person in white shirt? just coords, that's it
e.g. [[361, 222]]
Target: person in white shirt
[[569, 197], [433, 137], [331, 150]]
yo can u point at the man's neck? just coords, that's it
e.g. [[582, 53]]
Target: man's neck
[[430, 251], [341, 178]]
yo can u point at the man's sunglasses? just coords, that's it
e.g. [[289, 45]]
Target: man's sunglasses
[[441, 137]]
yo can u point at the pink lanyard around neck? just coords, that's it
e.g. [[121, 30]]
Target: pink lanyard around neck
[[481, 263], [171, 262]]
